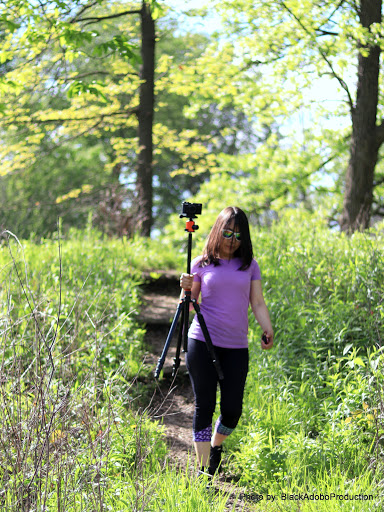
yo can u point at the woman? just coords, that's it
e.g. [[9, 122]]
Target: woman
[[228, 279]]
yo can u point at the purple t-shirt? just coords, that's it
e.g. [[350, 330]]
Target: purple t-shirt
[[225, 293]]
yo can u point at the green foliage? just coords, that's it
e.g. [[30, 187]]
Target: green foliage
[[78, 87], [36, 197], [69, 117], [70, 352], [54, 282], [119, 46], [70, 349], [168, 491], [312, 405], [275, 41], [312, 417], [74, 82], [278, 177], [292, 64], [82, 113]]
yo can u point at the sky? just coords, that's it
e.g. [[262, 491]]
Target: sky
[[209, 24]]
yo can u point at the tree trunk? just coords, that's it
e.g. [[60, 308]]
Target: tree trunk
[[364, 147], [145, 119]]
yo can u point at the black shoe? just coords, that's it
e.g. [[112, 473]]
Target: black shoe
[[215, 460], [204, 476], [203, 472]]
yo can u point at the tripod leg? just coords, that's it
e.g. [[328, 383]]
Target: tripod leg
[[208, 340], [161, 359], [188, 301], [176, 359]]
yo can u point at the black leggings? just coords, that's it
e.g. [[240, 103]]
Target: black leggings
[[204, 379]]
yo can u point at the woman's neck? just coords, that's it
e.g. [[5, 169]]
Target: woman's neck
[[227, 257]]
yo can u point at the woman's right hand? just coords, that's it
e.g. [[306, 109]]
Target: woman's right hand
[[186, 281]]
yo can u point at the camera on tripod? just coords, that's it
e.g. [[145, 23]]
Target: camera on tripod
[[191, 210]]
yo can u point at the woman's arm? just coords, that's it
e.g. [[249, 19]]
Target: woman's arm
[[261, 313]]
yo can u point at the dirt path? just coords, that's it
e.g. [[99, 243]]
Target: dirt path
[[174, 398], [173, 401]]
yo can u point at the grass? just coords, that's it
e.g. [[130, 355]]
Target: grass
[[313, 410], [74, 436], [74, 433]]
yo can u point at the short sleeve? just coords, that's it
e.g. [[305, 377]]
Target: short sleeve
[[195, 269], [255, 271]]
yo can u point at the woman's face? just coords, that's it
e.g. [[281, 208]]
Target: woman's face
[[228, 246]]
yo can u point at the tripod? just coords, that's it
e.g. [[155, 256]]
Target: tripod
[[183, 311]]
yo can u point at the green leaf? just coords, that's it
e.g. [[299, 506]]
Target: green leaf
[[120, 46], [78, 87], [359, 361], [11, 25], [156, 9]]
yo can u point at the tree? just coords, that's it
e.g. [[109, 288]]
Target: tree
[[273, 53], [92, 96], [145, 121], [366, 137], [47, 45], [203, 130]]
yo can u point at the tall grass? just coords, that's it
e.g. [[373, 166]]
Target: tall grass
[[72, 435], [313, 418]]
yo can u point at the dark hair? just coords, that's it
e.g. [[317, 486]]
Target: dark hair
[[212, 246]]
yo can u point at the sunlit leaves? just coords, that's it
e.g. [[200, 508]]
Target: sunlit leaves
[[10, 25], [85, 189], [54, 61], [94, 88], [290, 44], [157, 9], [119, 45], [279, 176], [73, 37]]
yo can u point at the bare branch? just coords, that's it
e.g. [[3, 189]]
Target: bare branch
[[82, 11], [97, 72], [101, 117], [96, 19], [335, 10], [322, 32], [256, 63], [85, 75]]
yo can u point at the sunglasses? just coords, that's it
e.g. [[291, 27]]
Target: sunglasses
[[228, 233]]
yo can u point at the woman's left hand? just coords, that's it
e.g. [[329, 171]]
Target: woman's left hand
[[267, 340]]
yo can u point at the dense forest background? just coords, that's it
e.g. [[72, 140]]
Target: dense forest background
[[114, 112]]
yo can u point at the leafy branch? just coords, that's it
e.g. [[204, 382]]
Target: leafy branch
[[323, 55]]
